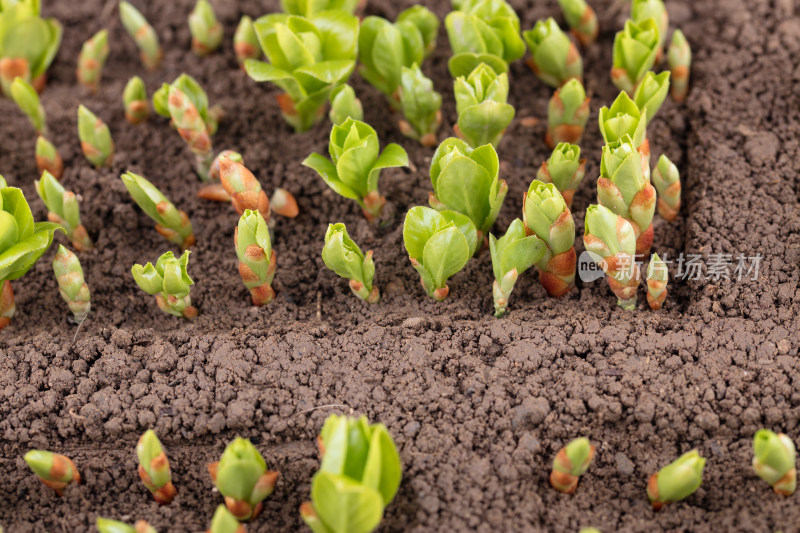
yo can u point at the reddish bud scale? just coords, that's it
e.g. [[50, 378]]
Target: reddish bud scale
[[262, 294], [559, 277], [54, 165], [62, 466], [169, 303], [586, 31], [373, 206], [243, 187], [137, 111], [7, 305]]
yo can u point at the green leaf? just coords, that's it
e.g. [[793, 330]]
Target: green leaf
[[484, 123], [420, 224], [344, 505], [383, 470], [393, 155], [465, 226], [445, 253], [464, 186]]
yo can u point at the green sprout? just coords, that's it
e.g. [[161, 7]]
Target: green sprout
[[71, 285], [567, 114], [241, 476], [642, 10], [625, 118], [635, 51], [28, 43], [356, 163], [421, 106], [22, 243], [106, 525], [185, 102], [570, 463], [439, 244], [27, 99], [385, 48], [205, 28], [425, 21], [481, 103], [94, 53], [677, 480], [169, 282], [358, 477], [310, 8], [54, 470], [154, 470], [667, 181], [245, 41], [611, 242], [582, 19], [63, 209], [224, 522], [679, 56], [657, 276], [344, 105], [96, 141], [546, 215], [342, 255], [134, 98], [651, 92], [512, 254], [624, 187], [171, 223], [465, 180], [554, 59], [257, 259], [483, 31], [243, 188], [565, 169], [143, 35], [48, 159], [774, 461], [308, 58]]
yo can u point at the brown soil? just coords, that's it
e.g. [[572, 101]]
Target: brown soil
[[478, 406]]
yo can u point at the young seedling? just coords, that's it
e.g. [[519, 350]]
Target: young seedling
[[224, 522], [22, 243], [642, 10], [570, 463], [245, 41], [624, 187], [169, 282], [567, 114], [774, 461], [651, 93], [425, 21], [94, 53], [512, 254], [30, 43], [48, 159], [143, 35], [625, 118], [241, 476], [310, 8], [27, 99], [565, 169], [355, 165], [134, 98], [679, 56], [71, 285], [284, 203], [105, 525], [186, 103], [554, 58], [465, 180], [63, 209], [421, 106], [439, 244], [342, 255], [358, 477], [154, 468], [677, 480], [205, 28], [308, 58], [611, 242], [344, 105], [657, 276], [96, 141], [546, 215], [667, 181], [481, 103], [385, 48], [171, 223], [257, 260], [582, 19], [483, 31], [54, 470], [635, 51], [242, 187]]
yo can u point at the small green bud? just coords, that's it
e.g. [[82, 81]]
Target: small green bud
[[71, 285], [512, 254], [48, 159], [27, 99], [224, 522], [171, 223], [154, 469], [567, 114], [570, 463], [651, 93], [774, 460], [94, 53], [96, 142], [169, 282], [582, 19], [342, 255], [245, 41], [657, 275], [565, 169], [680, 64], [143, 34], [54, 470], [667, 181], [257, 259], [241, 476], [677, 480], [554, 59], [481, 103], [344, 105], [635, 51], [205, 29], [421, 106], [134, 98], [63, 209]]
